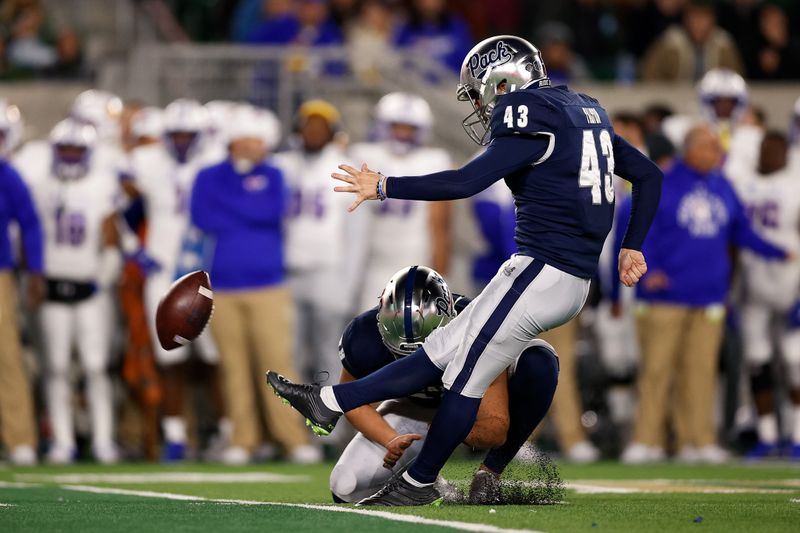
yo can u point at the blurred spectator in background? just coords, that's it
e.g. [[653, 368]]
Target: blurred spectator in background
[[771, 194], [649, 20], [344, 12], [776, 53], [686, 52], [420, 231], [302, 22], [240, 203], [17, 428], [33, 43], [75, 195], [653, 117], [325, 245], [490, 18], [369, 40], [248, 15], [432, 31], [563, 65], [598, 32], [681, 318], [205, 20]]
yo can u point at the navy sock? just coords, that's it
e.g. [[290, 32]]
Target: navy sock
[[450, 426], [396, 380], [530, 393]]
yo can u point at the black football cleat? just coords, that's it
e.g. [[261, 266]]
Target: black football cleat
[[306, 399], [484, 489], [400, 493]]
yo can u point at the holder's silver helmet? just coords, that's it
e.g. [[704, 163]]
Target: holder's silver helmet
[[415, 302], [496, 66]]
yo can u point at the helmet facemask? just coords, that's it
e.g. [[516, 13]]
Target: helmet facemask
[[70, 161]]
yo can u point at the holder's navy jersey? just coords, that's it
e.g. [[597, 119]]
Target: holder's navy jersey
[[362, 351], [558, 152]]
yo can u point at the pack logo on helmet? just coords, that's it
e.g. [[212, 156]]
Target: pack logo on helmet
[[442, 306], [501, 54]]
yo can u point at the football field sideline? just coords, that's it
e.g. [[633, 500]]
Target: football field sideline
[[287, 498]]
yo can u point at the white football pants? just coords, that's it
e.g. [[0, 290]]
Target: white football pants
[[87, 326]]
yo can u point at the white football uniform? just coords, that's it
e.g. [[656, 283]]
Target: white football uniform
[[324, 254], [166, 187], [359, 472], [72, 214], [771, 287], [400, 230]]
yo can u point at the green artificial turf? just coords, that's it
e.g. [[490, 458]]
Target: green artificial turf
[[47, 506]]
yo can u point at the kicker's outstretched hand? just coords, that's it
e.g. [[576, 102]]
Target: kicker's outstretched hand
[[363, 183], [632, 266]]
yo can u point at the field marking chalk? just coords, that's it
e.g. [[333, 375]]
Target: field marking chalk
[[167, 477], [413, 519], [17, 485]]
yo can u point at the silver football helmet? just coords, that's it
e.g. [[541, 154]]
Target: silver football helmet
[[723, 94], [496, 66], [415, 302]]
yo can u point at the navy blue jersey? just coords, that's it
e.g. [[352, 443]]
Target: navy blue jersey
[[558, 152], [362, 351], [565, 199]]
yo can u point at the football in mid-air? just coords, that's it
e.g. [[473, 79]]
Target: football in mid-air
[[184, 311]]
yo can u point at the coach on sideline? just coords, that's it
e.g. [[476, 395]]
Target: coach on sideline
[[16, 405], [240, 204], [682, 296]]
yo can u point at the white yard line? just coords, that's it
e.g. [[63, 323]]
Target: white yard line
[[16, 485], [166, 477], [412, 519], [674, 486], [8, 504]]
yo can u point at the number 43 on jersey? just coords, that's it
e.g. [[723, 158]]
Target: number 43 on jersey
[[591, 174]]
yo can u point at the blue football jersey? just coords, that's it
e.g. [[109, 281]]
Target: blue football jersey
[[362, 351], [565, 199]]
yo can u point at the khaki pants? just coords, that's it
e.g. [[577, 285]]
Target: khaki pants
[[566, 410], [16, 406], [254, 331], [680, 352]]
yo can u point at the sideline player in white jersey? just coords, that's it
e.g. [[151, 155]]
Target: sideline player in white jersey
[[163, 174], [771, 289], [75, 197], [324, 247], [723, 99], [420, 231]]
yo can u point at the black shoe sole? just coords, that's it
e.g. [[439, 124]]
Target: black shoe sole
[[315, 428]]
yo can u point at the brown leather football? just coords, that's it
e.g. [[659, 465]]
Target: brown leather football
[[183, 313]]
